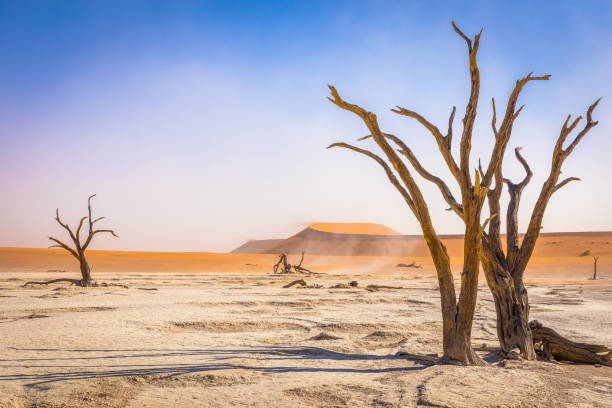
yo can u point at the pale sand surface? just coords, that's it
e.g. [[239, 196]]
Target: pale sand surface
[[217, 332]]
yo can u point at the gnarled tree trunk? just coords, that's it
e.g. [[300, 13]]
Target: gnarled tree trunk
[[512, 311], [85, 272]]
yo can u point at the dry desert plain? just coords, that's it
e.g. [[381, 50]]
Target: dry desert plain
[[219, 330]]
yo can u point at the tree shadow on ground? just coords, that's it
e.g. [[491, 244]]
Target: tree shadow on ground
[[215, 356]]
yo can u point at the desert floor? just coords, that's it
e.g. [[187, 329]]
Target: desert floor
[[237, 338]]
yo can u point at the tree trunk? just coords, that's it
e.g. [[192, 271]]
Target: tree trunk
[[85, 272], [460, 346], [512, 309], [456, 340]]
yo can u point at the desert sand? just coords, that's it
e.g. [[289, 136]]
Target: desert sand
[[219, 330]]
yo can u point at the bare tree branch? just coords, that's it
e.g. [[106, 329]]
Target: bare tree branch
[[444, 143], [385, 166], [502, 135], [65, 226], [528, 175], [66, 247], [420, 207], [515, 191], [550, 185], [91, 235], [407, 152], [564, 182], [590, 123], [493, 124], [78, 232], [465, 145]]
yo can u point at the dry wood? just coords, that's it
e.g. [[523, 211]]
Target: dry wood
[[300, 282], [595, 259], [410, 265], [283, 267], [375, 288], [72, 281], [551, 344], [79, 248]]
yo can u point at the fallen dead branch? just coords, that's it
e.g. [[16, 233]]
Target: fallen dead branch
[[548, 343], [410, 265], [77, 282], [351, 284], [374, 288], [71, 281], [302, 284]]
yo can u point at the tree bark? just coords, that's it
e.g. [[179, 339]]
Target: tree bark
[[85, 272], [512, 310], [552, 344]]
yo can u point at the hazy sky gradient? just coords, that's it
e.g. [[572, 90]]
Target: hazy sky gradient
[[202, 124]]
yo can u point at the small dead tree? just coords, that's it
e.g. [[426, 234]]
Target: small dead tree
[[282, 266], [595, 259], [80, 246]]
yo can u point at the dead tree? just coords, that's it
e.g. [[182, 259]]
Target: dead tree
[[504, 271], [282, 266], [80, 246], [299, 268], [457, 311], [595, 259]]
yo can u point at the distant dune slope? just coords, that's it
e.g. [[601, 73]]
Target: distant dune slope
[[363, 239], [254, 246]]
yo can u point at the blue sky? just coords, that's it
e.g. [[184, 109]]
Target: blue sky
[[202, 124]]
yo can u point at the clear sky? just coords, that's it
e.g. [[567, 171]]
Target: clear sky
[[203, 124]]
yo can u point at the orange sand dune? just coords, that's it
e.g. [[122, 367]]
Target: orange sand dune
[[319, 240], [361, 228]]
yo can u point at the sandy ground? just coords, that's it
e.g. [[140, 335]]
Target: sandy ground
[[240, 339]]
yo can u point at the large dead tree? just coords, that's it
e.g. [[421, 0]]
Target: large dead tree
[[79, 245], [504, 270], [457, 311]]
